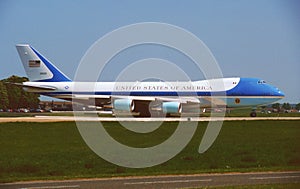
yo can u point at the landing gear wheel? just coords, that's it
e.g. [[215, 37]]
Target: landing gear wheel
[[142, 108], [253, 114]]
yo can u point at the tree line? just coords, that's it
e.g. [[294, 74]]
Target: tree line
[[14, 97], [285, 106]]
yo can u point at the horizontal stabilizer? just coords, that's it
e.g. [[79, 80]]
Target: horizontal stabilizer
[[33, 87]]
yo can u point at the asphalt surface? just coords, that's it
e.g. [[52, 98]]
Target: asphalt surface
[[168, 182]]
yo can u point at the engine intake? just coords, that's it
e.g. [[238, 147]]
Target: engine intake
[[124, 105], [172, 107]]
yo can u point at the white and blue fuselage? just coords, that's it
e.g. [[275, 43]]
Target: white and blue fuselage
[[46, 79], [238, 92]]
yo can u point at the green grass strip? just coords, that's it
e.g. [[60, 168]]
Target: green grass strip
[[37, 151]]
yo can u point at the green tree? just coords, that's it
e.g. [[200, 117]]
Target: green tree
[[276, 106], [3, 96], [30, 100], [17, 97], [297, 106], [286, 106]]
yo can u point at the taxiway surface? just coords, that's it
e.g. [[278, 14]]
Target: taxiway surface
[[169, 181], [84, 118]]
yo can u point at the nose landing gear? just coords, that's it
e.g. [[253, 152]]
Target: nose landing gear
[[253, 114]]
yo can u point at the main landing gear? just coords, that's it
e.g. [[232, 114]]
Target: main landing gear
[[253, 113]]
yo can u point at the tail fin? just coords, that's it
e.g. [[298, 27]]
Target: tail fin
[[37, 67]]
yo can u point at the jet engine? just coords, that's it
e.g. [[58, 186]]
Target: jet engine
[[123, 105], [172, 107]]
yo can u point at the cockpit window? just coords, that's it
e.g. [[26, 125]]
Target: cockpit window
[[261, 82]]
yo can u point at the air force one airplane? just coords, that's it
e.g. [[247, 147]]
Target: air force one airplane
[[144, 98]]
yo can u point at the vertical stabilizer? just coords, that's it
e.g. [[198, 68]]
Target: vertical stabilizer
[[37, 67]]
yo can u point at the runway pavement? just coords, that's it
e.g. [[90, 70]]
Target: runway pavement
[[168, 182], [84, 118]]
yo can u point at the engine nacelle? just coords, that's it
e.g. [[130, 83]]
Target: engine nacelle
[[124, 105], [172, 107]]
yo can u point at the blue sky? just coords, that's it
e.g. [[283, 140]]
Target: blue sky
[[258, 38]]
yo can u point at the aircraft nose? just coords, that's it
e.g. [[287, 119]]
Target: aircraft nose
[[279, 93]]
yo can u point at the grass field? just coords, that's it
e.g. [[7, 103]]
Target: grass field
[[31, 151]]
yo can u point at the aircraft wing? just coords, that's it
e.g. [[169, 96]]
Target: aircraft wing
[[214, 101]]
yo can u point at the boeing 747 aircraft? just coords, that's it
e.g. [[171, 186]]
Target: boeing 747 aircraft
[[144, 98]]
